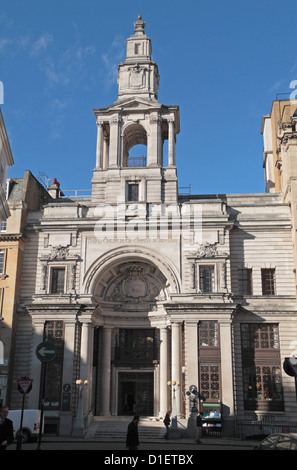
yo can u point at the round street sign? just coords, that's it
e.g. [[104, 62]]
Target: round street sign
[[45, 351], [290, 366]]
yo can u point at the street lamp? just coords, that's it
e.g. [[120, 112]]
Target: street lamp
[[173, 387], [79, 424], [194, 398]]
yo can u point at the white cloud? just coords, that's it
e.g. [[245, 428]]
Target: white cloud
[[111, 59], [277, 85], [69, 66], [4, 43], [41, 45]]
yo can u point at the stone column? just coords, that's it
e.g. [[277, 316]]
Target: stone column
[[227, 369], [105, 153], [171, 142], [99, 152], [86, 363], [105, 373], [191, 356], [114, 142], [154, 142], [163, 371], [65, 421], [176, 367]]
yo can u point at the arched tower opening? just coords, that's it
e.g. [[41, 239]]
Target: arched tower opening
[[135, 146]]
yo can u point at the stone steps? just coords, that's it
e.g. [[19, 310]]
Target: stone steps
[[115, 428]]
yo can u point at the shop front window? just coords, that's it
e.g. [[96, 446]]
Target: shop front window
[[262, 381]]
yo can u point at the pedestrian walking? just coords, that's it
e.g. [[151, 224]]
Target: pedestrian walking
[[6, 428], [166, 422], [199, 429], [131, 403], [132, 439]]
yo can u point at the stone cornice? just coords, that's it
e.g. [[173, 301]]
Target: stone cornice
[[12, 237]]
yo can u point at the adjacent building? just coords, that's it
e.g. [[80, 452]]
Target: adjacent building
[[23, 195], [147, 294], [6, 160]]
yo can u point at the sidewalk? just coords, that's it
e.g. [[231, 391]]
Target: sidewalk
[[161, 444]]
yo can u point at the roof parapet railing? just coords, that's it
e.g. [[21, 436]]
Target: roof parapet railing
[[184, 190], [76, 193]]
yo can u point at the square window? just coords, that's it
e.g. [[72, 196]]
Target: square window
[[245, 281], [3, 225], [268, 281], [57, 281], [208, 334], [206, 279], [133, 192], [1, 262]]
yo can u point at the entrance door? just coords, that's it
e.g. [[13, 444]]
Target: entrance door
[[136, 393]]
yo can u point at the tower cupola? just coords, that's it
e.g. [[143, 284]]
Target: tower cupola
[[138, 75], [131, 164]]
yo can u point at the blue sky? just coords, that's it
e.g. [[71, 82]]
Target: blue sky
[[222, 62]]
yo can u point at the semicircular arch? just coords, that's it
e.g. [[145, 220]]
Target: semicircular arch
[[117, 257], [134, 134]]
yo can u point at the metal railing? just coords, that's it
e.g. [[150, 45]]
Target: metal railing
[[76, 193], [184, 190], [132, 162], [262, 428]]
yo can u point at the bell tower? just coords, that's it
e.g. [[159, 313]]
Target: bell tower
[[136, 118]]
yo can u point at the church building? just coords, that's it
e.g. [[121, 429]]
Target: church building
[[148, 295]]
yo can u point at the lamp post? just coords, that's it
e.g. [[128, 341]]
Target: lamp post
[[194, 398], [79, 423]]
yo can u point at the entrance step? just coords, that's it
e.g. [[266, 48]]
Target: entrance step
[[114, 428]]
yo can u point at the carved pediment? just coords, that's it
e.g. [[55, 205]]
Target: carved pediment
[[134, 102], [59, 252], [207, 250]]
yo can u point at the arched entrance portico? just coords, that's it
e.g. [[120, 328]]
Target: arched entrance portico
[[131, 362]]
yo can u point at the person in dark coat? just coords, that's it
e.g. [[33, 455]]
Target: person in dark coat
[[166, 422], [6, 428], [199, 428], [132, 439]]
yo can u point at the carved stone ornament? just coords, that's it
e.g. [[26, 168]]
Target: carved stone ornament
[[207, 250], [288, 136], [137, 76], [59, 252], [135, 286]]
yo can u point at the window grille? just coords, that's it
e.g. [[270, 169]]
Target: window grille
[[245, 281], [206, 279], [268, 281]]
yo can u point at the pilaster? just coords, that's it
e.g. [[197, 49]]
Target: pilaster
[[163, 371]]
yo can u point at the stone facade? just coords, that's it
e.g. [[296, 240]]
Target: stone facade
[[146, 293], [6, 160], [23, 195]]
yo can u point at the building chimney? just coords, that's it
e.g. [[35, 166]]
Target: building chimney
[[54, 189]]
